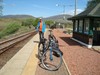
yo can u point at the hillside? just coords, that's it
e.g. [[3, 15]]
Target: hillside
[[59, 18], [12, 25], [8, 19], [17, 16]]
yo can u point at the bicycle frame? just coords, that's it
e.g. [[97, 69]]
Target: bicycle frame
[[51, 54], [51, 46], [51, 49]]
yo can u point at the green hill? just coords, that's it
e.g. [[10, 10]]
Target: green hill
[[12, 24], [59, 18], [17, 16]]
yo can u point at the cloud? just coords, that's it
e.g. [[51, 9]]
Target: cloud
[[71, 12], [79, 11]]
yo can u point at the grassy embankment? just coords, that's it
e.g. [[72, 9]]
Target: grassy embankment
[[10, 27]]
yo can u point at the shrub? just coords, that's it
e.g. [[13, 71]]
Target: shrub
[[1, 35], [36, 22], [28, 22], [10, 29]]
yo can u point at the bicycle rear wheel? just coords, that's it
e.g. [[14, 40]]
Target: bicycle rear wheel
[[53, 64]]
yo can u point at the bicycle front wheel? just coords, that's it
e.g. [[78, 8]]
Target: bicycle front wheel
[[52, 60]]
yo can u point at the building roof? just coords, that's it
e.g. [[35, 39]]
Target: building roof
[[92, 11]]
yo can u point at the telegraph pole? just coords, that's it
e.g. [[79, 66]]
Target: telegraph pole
[[75, 12], [1, 7]]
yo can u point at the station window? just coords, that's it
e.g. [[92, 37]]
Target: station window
[[86, 26], [76, 25], [97, 24], [80, 25]]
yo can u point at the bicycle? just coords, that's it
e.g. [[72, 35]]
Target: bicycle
[[50, 55]]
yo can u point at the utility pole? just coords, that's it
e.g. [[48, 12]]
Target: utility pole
[[64, 6], [75, 12], [1, 7]]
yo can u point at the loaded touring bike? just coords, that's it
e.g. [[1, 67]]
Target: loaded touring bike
[[49, 53]]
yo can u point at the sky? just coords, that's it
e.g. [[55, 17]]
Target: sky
[[42, 8]]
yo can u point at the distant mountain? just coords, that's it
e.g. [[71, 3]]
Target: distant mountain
[[59, 18], [17, 16]]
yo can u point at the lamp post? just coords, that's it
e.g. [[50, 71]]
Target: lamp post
[[64, 6]]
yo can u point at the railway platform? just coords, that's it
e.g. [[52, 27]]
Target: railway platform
[[77, 59]]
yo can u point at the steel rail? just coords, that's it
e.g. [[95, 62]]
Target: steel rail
[[7, 44]]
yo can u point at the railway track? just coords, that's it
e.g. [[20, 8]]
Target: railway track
[[7, 44]]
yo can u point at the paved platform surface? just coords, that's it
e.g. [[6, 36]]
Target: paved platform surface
[[96, 48], [17, 64], [78, 60], [25, 62], [41, 70]]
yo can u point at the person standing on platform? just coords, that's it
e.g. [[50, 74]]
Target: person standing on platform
[[41, 28]]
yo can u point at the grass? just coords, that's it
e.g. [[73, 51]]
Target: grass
[[12, 26]]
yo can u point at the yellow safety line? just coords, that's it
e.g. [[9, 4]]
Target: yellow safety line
[[31, 65]]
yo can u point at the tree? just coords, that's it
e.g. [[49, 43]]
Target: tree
[[36, 22], [49, 22], [28, 22]]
